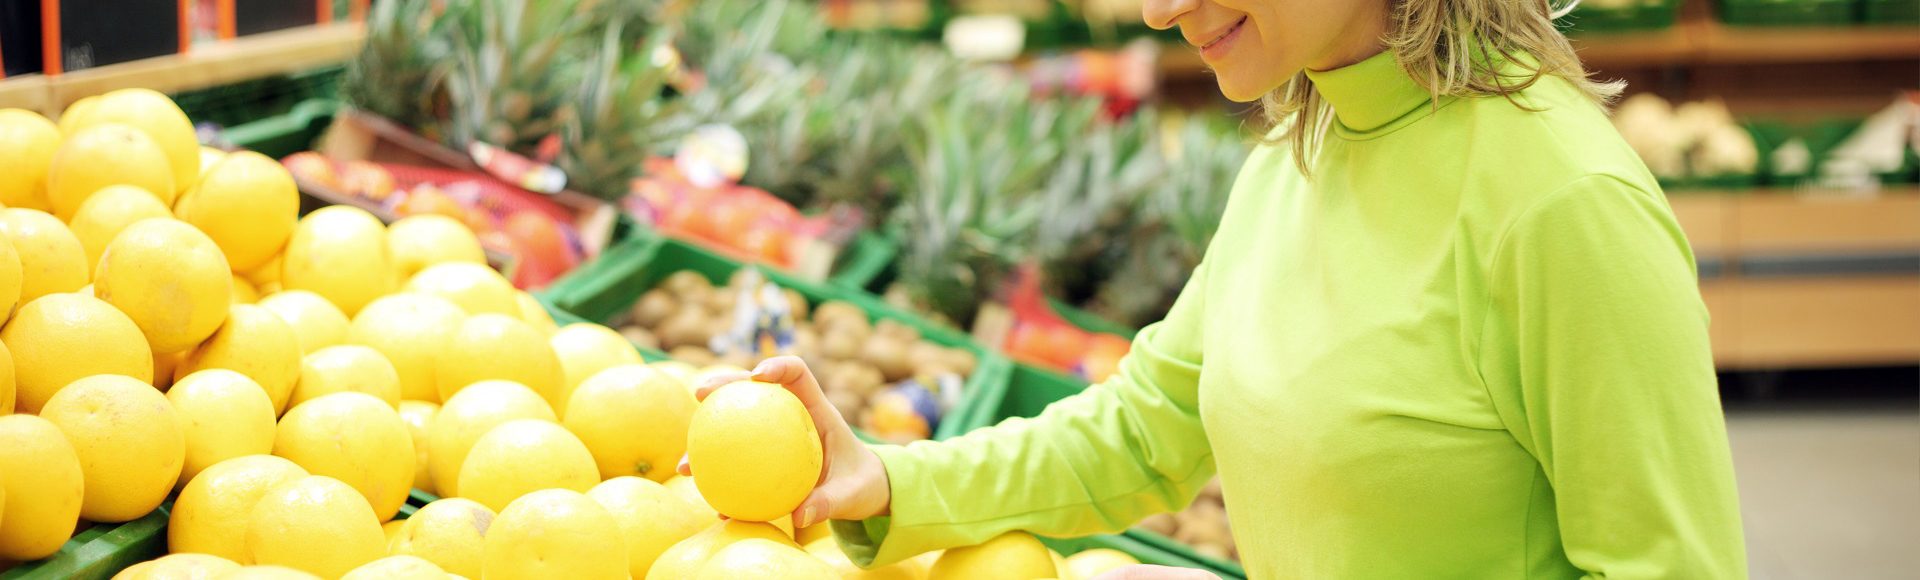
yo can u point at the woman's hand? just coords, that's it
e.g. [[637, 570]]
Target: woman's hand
[[853, 484], [1144, 572]]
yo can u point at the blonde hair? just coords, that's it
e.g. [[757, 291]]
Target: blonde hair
[[1451, 48]]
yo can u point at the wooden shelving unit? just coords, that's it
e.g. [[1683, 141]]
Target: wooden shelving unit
[[229, 62]]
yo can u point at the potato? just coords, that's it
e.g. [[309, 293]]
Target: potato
[[889, 355], [654, 308], [640, 336], [687, 284], [1162, 524], [688, 327], [697, 356], [796, 302], [840, 344]]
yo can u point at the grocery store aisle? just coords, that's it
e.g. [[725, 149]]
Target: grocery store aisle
[[1829, 491]]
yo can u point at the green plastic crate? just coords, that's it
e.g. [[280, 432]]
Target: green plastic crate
[[1905, 12], [1642, 16], [864, 259], [285, 134], [243, 102], [1786, 12], [101, 551], [605, 287]]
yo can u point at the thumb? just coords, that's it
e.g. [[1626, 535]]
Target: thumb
[[815, 509]]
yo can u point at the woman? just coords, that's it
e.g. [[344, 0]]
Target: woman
[[1448, 329]]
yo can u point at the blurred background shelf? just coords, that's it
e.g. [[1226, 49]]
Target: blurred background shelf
[[251, 57], [1704, 41]]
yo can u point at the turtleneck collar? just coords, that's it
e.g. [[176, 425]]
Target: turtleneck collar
[[1369, 94]]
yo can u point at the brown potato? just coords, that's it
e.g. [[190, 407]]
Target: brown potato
[[654, 308], [697, 356]]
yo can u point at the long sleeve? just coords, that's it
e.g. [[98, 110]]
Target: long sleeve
[[1596, 354], [1095, 462]]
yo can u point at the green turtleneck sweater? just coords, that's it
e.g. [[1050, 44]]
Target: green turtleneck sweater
[[1471, 345]]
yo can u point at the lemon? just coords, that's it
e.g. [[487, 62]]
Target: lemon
[[410, 330], [129, 440], [106, 154], [684, 487], [755, 450], [243, 291], [685, 559], [7, 388], [156, 115], [474, 287], [107, 212], [51, 259], [419, 241], [450, 532], [419, 417], [554, 533], [208, 158], [346, 368], [1060, 564], [809, 534], [340, 253], [1097, 561], [534, 314], [27, 144], [755, 558], [680, 371], [316, 322], [225, 415], [11, 279], [397, 568], [392, 529], [74, 118], [315, 524], [497, 347], [634, 419], [1015, 555], [266, 573], [470, 414], [523, 456], [355, 438], [179, 566], [255, 343], [585, 349], [652, 518], [264, 275], [248, 204], [828, 551], [170, 279], [43, 483], [61, 338], [210, 515]]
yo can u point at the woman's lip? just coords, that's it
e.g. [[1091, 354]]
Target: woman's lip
[[1220, 43]]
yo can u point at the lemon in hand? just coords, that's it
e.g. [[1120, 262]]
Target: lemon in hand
[[755, 451]]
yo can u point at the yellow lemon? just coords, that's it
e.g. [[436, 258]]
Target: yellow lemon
[[683, 487], [554, 533], [264, 275], [248, 204], [355, 438], [11, 279], [156, 115], [410, 330], [497, 347], [651, 518], [346, 368], [340, 253], [316, 322], [163, 366], [470, 414], [179, 566], [680, 371], [523, 456], [1097, 561], [474, 287], [102, 155], [755, 558], [534, 314], [450, 532], [315, 524], [1060, 564], [6, 381], [170, 279], [74, 118], [51, 259], [392, 529], [685, 559], [225, 415], [210, 516], [255, 343], [43, 488], [129, 440], [61, 338], [634, 419], [266, 573], [809, 534], [1015, 555], [243, 291], [107, 212], [397, 568], [828, 551], [208, 158], [419, 241], [27, 144], [585, 349], [419, 417], [755, 450]]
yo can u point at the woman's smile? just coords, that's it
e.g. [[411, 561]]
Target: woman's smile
[[1217, 47]]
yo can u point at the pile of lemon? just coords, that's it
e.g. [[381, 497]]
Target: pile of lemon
[[174, 329]]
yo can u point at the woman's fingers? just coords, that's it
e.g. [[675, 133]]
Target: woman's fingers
[[713, 381], [1145, 572]]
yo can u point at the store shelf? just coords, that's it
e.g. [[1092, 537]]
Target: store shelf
[[1703, 41], [247, 58]]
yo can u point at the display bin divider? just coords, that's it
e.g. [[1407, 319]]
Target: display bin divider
[[102, 551]]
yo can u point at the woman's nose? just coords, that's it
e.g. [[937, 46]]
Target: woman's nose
[[1163, 14]]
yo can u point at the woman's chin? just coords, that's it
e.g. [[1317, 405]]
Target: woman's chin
[[1241, 90]]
